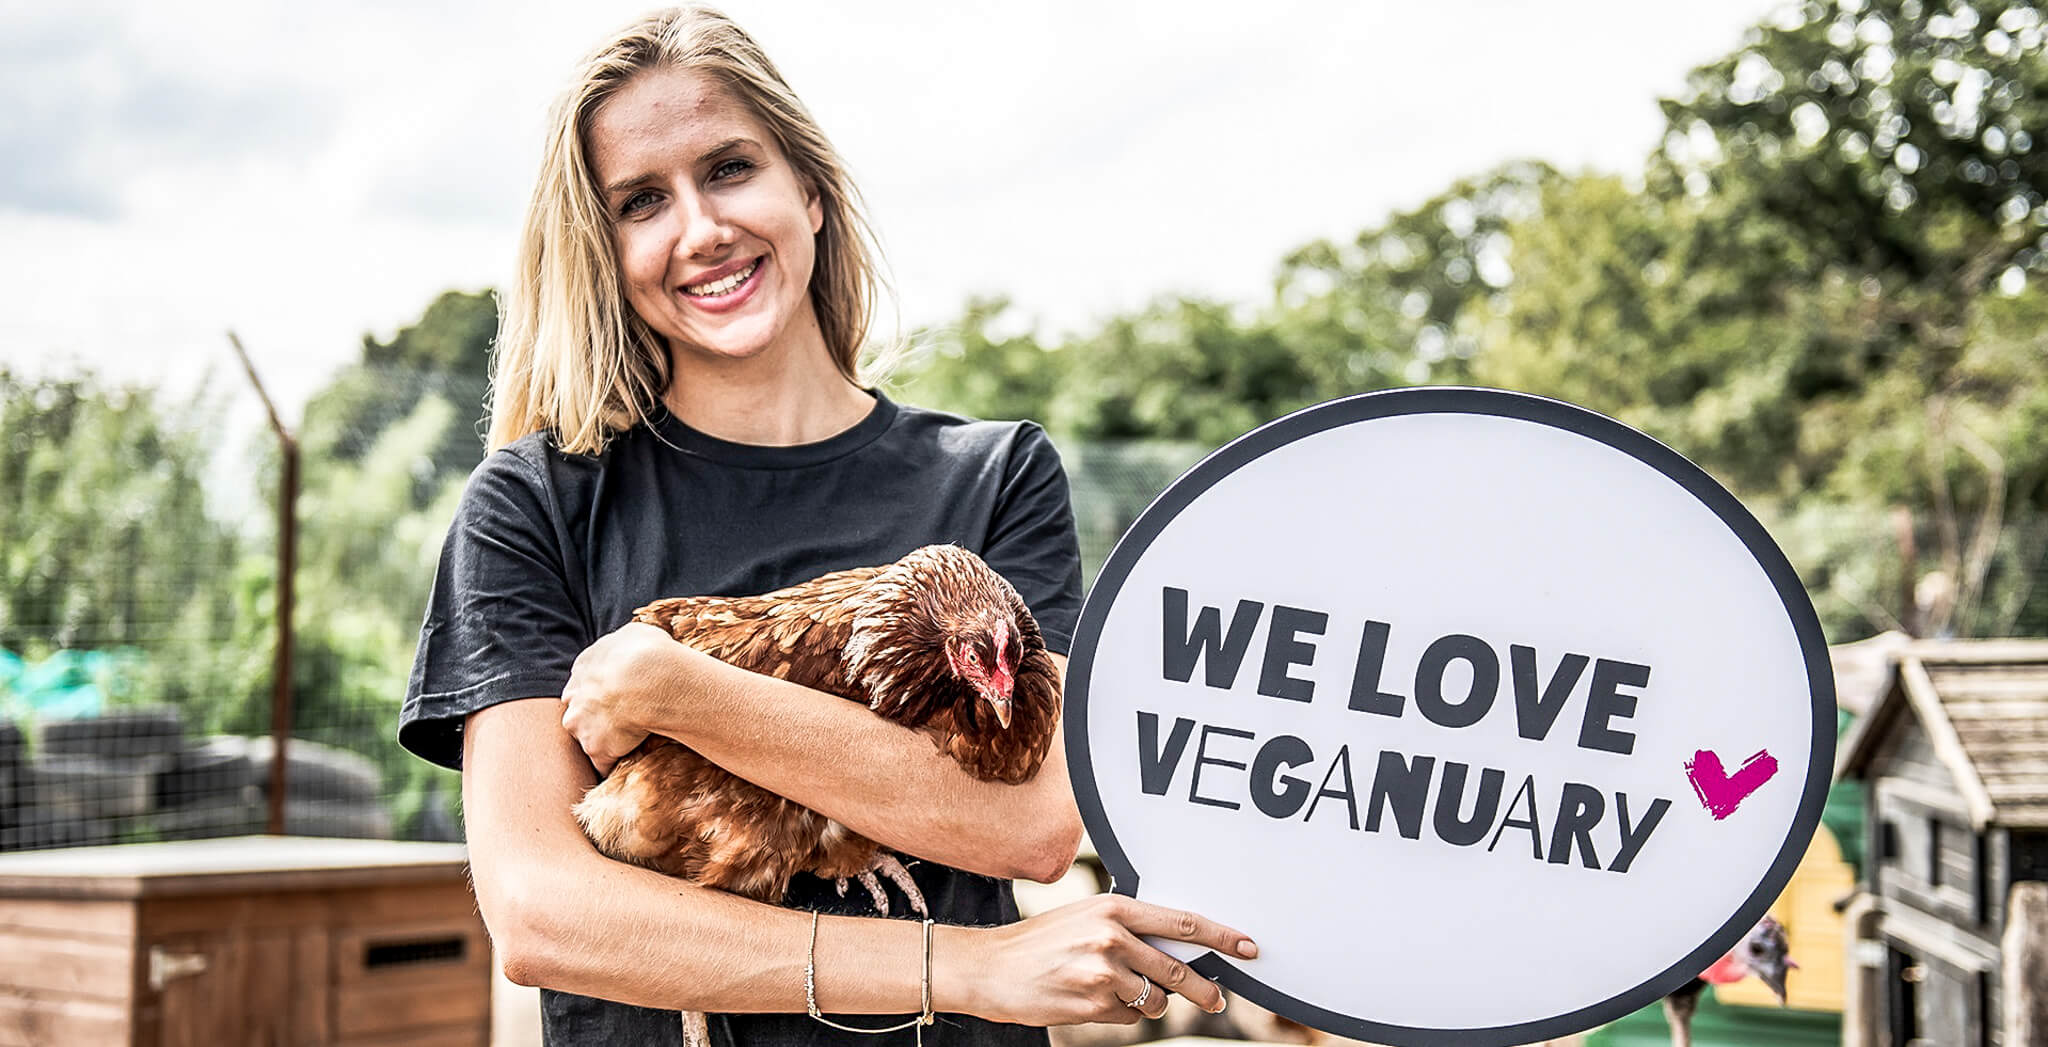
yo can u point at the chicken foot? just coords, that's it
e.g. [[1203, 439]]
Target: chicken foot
[[696, 1029], [886, 864]]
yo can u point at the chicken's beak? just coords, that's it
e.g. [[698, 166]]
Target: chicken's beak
[[1773, 976], [1000, 685]]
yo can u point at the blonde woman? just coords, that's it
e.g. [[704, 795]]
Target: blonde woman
[[678, 408]]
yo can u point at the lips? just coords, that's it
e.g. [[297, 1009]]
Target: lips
[[723, 280]]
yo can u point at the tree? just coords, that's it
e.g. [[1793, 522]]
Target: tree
[[1890, 145], [444, 356], [1386, 309], [388, 444], [106, 541]]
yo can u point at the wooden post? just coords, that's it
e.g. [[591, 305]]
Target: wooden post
[[287, 565], [1909, 571], [2025, 977], [1864, 958]]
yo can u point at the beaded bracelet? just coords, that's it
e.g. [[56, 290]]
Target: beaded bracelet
[[811, 988]]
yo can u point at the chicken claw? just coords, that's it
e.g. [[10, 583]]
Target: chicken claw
[[887, 865]]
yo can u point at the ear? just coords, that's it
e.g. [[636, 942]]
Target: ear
[[814, 205]]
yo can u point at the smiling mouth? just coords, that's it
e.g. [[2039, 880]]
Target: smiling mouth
[[723, 286]]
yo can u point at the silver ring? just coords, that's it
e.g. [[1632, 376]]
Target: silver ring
[[1143, 994]]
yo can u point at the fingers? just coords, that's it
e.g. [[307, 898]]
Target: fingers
[[1173, 976], [1180, 925], [1143, 997], [604, 745]]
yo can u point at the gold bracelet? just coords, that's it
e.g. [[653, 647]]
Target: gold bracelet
[[811, 988]]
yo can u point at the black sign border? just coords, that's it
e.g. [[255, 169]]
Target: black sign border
[[1503, 404]]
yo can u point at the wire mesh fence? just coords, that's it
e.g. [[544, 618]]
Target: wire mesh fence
[[139, 609]]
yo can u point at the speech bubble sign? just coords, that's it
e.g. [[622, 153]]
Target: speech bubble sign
[[1488, 717]]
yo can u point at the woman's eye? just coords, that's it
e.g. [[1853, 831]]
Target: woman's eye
[[635, 202], [730, 168]]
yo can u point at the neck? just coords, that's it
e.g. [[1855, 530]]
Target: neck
[[773, 400]]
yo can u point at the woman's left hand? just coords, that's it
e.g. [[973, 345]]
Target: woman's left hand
[[620, 687]]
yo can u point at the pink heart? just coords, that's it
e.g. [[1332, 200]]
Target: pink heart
[[1722, 792]]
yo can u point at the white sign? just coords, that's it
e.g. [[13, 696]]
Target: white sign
[[1489, 718]]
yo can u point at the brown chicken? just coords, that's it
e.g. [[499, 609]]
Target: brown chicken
[[936, 641]]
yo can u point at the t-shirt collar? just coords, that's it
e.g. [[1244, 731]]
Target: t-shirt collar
[[675, 433]]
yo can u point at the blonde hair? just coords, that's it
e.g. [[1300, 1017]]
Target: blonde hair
[[571, 358]]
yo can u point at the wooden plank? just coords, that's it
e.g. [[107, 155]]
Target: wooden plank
[[432, 901], [31, 1022], [267, 1006], [1979, 652], [1931, 938], [1907, 754], [1986, 689], [446, 1036], [426, 900], [2006, 670], [89, 968], [366, 1009], [352, 947], [105, 920], [190, 1008], [244, 863], [156, 916], [1899, 795], [311, 989], [441, 899], [2025, 969], [243, 994], [1996, 712], [1926, 703], [1996, 743]]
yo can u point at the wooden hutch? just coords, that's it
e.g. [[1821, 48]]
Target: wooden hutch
[[1955, 753]]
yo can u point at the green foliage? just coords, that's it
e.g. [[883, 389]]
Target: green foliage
[[445, 356], [367, 556], [1393, 301], [1824, 287], [106, 541], [1893, 136], [387, 446]]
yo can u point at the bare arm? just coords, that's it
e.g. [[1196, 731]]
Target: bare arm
[[885, 781], [564, 916]]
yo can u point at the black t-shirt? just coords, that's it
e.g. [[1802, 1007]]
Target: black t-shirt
[[549, 551]]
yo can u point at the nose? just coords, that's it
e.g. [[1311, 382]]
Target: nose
[[705, 230]]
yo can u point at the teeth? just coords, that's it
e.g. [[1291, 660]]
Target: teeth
[[722, 286]]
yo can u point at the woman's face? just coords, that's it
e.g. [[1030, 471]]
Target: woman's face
[[715, 232]]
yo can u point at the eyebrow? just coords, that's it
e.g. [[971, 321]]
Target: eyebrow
[[707, 156]]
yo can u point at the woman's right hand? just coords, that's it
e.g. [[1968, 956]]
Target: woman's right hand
[[1082, 962]]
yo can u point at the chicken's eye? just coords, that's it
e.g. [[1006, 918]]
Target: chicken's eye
[[973, 657]]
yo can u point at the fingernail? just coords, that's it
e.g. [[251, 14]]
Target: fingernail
[[1220, 1004], [1246, 949]]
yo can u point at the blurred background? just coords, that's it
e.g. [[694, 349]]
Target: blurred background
[[1804, 244]]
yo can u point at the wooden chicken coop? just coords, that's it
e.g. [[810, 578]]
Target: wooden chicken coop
[[1955, 943], [284, 941]]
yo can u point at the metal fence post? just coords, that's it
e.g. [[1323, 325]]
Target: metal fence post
[[287, 560]]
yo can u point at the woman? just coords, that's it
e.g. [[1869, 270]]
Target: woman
[[676, 410]]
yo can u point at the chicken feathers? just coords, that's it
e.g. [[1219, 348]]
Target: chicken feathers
[[936, 641]]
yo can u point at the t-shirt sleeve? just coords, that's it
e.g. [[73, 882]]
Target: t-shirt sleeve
[[500, 622], [1032, 542]]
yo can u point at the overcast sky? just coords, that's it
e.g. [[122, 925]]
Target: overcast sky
[[304, 174]]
